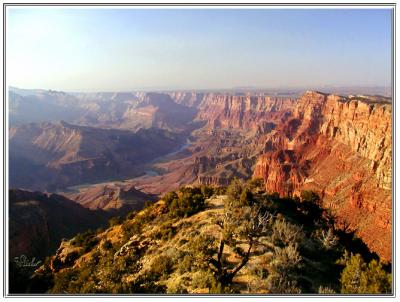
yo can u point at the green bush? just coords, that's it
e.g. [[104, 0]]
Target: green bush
[[246, 197], [277, 284], [207, 191], [256, 185], [80, 238], [282, 275], [161, 266], [188, 203], [131, 228], [360, 278], [177, 287], [166, 231], [185, 264], [201, 248], [87, 240], [220, 190], [234, 190], [285, 233], [169, 197], [272, 240], [190, 190], [115, 221], [203, 279]]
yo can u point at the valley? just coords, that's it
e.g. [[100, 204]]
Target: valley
[[339, 147]]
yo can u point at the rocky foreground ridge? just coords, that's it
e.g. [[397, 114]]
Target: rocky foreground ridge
[[202, 240]]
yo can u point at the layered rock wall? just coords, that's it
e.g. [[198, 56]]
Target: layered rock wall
[[367, 129], [342, 149], [240, 112]]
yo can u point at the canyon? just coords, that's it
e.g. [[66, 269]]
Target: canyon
[[58, 155], [337, 146]]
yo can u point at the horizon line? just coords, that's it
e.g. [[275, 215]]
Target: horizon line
[[243, 88]]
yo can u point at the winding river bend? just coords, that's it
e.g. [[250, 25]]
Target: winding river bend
[[153, 172], [149, 172]]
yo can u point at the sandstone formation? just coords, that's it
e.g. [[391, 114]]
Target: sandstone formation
[[341, 149]]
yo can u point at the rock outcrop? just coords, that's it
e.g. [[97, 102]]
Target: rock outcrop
[[341, 148], [240, 112], [115, 198]]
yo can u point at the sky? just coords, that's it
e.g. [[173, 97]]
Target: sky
[[127, 49]]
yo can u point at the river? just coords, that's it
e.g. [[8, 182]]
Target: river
[[147, 173]]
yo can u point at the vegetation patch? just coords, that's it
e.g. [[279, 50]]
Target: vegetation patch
[[196, 241]]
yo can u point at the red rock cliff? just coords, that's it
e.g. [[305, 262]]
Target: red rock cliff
[[342, 149]]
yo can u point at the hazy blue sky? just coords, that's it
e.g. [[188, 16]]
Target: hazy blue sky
[[126, 49]]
